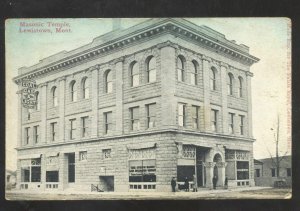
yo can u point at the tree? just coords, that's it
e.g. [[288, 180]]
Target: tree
[[276, 161]]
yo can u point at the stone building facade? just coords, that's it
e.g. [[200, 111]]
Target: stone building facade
[[134, 108]]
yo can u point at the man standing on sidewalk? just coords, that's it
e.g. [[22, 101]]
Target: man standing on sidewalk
[[215, 179], [173, 184]]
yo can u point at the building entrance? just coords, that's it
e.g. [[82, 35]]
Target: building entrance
[[200, 170]]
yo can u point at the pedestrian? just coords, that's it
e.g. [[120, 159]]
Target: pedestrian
[[173, 184], [215, 179], [195, 183], [226, 183], [186, 184]]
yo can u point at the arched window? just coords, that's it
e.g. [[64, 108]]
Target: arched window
[[213, 73], [180, 68], [151, 70], [73, 91], [230, 84], [108, 82], [54, 97], [240, 90], [37, 98], [134, 74], [194, 72], [85, 88]]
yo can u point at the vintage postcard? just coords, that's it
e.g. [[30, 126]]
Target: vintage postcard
[[152, 108]]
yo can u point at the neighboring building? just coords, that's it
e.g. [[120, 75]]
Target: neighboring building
[[10, 179], [134, 108], [266, 171]]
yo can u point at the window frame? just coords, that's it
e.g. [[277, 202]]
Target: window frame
[[36, 134], [231, 123], [82, 155], [73, 91], [180, 70], [183, 115], [106, 154], [195, 116], [84, 126], [107, 124], [85, 88], [273, 172], [54, 97], [241, 87], [242, 126], [230, 80], [108, 81], [53, 131], [152, 70], [214, 121], [151, 116], [72, 129], [134, 75], [213, 79], [27, 135], [38, 104], [194, 73], [133, 120]]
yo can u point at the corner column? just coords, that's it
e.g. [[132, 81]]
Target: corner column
[[62, 88], [249, 96], [20, 120], [43, 113], [206, 88], [224, 68], [95, 99], [168, 81], [209, 170], [119, 95]]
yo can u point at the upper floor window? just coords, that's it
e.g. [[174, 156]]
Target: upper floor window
[[72, 128], [84, 126], [181, 114], [73, 90], [151, 115], [240, 90], [54, 97], [134, 74], [108, 121], [27, 135], [134, 117], [242, 124], [214, 120], [195, 116], [180, 68], [37, 98], [213, 76], [108, 81], [231, 123], [273, 172], [194, 72], [151, 69], [230, 84], [85, 88], [53, 131], [36, 134]]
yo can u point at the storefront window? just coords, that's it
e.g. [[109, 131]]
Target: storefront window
[[242, 170]]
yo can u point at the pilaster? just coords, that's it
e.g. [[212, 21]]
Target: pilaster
[[249, 96], [95, 98], [43, 100], [62, 88], [206, 83], [224, 97], [119, 95], [20, 120]]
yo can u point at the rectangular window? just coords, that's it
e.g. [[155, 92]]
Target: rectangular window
[[231, 123], [106, 153], [273, 172], [25, 174], [27, 135], [36, 134], [195, 116], [134, 117], [108, 122], [72, 128], [214, 120], [84, 124], [53, 131], [257, 172], [181, 114], [288, 172], [242, 170], [151, 115], [52, 176], [83, 155], [242, 124]]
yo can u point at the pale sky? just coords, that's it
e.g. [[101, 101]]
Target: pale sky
[[268, 39]]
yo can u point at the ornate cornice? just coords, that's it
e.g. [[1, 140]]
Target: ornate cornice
[[146, 33]]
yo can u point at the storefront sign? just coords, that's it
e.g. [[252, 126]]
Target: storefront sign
[[28, 94]]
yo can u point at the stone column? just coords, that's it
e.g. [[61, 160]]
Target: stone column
[[168, 81], [20, 120], [43, 172], [249, 96], [206, 82], [95, 98], [63, 171], [209, 170], [119, 95], [43, 101], [224, 68], [18, 179], [221, 173], [62, 88]]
